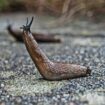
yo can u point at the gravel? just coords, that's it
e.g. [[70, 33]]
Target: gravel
[[21, 83]]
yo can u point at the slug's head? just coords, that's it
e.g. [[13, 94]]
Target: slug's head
[[27, 26]]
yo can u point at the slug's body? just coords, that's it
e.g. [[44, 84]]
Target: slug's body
[[38, 37], [16, 34], [48, 69]]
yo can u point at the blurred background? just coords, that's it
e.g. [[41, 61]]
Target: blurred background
[[93, 9], [49, 14]]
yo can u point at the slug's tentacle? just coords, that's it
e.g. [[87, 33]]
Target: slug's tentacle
[[28, 25], [30, 22], [27, 21]]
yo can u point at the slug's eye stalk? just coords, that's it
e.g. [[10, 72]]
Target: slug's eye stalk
[[27, 21], [27, 27]]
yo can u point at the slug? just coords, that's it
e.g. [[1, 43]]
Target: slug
[[37, 36], [48, 69]]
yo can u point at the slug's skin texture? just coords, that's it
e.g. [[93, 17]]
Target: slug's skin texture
[[38, 37], [48, 69]]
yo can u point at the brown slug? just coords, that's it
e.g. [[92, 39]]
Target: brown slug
[[48, 69], [37, 36]]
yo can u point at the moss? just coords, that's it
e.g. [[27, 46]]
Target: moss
[[31, 85], [6, 74], [3, 4]]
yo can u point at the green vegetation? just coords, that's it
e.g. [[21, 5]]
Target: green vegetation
[[56, 7], [3, 4], [28, 84]]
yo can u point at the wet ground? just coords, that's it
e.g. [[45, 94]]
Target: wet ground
[[20, 81]]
